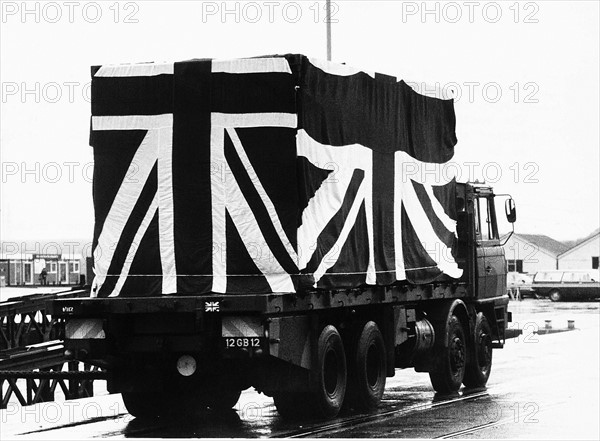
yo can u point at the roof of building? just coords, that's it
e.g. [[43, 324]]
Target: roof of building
[[547, 243], [29, 256], [582, 242]]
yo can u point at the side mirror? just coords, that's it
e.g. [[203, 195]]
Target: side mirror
[[511, 210]]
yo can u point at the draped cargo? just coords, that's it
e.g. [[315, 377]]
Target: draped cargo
[[269, 174]]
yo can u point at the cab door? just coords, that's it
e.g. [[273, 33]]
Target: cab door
[[491, 266]]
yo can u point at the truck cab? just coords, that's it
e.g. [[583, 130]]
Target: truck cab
[[480, 251]]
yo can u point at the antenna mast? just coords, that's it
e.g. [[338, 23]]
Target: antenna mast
[[328, 23]]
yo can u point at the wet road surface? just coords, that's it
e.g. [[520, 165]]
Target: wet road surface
[[544, 384]]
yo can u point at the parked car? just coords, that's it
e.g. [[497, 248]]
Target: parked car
[[521, 282], [567, 284]]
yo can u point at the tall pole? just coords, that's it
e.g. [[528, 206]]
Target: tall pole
[[328, 22]]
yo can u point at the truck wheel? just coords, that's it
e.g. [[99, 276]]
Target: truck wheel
[[291, 405], [175, 401], [555, 295], [144, 405], [451, 356], [330, 374], [480, 363], [224, 399], [367, 370]]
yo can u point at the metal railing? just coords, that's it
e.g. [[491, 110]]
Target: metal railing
[[32, 362]]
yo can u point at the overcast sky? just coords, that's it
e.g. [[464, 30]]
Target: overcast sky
[[525, 75]]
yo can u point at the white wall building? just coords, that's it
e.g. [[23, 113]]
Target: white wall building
[[530, 253], [18, 269], [584, 255]]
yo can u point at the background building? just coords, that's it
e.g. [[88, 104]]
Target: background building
[[65, 262], [529, 253], [25, 269], [583, 255]]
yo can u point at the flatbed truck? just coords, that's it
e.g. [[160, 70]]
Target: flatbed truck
[[179, 341]]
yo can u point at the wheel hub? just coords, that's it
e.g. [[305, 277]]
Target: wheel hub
[[485, 350], [373, 366], [330, 373], [457, 354]]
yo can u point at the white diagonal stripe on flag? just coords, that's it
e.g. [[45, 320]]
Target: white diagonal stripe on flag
[[405, 196], [129, 192], [262, 193], [449, 223], [134, 246], [241, 214], [426, 233], [155, 147], [336, 249], [329, 198]]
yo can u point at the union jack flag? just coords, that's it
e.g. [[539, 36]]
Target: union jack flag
[[269, 174], [211, 307]]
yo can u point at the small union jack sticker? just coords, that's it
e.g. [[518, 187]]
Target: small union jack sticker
[[211, 306]]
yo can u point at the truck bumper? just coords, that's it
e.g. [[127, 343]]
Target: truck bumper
[[110, 331]]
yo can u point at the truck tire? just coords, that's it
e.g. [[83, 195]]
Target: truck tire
[[327, 387], [145, 405], [224, 399], [451, 356], [330, 375], [479, 365], [555, 295], [367, 369], [150, 405], [291, 406]]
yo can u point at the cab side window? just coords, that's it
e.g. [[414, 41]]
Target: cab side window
[[462, 228], [485, 219], [477, 220], [483, 228]]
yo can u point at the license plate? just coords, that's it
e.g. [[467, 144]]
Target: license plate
[[242, 342]]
